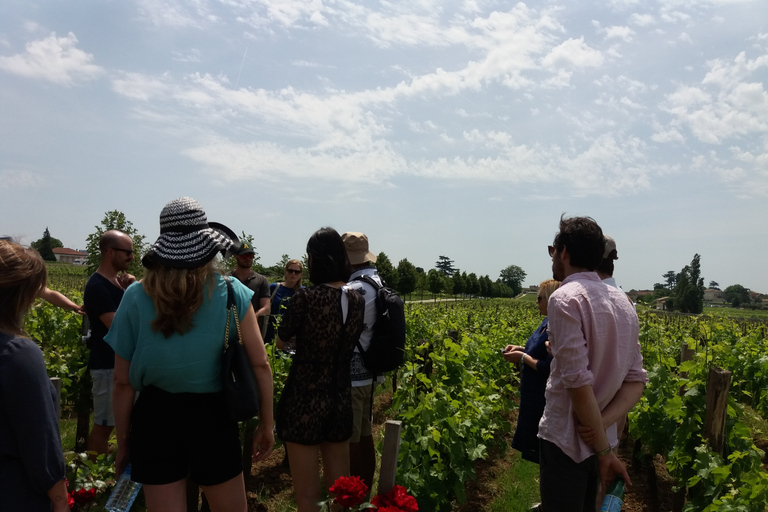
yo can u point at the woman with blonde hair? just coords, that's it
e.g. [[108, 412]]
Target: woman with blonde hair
[[535, 360], [281, 293], [31, 458], [168, 337]]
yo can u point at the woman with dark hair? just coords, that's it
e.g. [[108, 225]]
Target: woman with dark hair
[[314, 415], [168, 336], [31, 458], [280, 295]]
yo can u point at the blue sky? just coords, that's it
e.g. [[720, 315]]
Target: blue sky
[[461, 128]]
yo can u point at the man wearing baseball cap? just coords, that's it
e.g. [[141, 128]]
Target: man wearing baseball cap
[[243, 253], [362, 453]]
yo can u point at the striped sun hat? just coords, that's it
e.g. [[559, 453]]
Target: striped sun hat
[[187, 239]]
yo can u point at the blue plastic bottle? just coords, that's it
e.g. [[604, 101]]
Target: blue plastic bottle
[[124, 493]]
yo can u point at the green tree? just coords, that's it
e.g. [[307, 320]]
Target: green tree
[[445, 266], [46, 245], [714, 284], [473, 285], [485, 285], [671, 277], [513, 277], [458, 283], [736, 295], [435, 282], [406, 277], [689, 288], [116, 220], [386, 270]]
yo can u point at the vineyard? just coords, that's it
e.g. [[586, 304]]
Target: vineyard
[[455, 394]]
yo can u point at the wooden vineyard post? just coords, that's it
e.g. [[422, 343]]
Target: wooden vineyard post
[[718, 384], [57, 386], [388, 469]]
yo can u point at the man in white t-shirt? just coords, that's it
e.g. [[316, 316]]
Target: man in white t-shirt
[[362, 453]]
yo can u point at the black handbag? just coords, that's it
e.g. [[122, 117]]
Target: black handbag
[[240, 387]]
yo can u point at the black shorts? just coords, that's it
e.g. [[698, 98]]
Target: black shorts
[[175, 435]]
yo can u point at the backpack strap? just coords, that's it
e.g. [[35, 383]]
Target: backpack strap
[[368, 279]]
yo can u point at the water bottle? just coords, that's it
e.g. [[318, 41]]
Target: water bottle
[[124, 493], [614, 498]]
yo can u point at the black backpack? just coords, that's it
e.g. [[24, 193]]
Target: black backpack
[[387, 349]]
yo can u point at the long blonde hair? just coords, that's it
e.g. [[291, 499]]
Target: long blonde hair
[[177, 294], [22, 275]]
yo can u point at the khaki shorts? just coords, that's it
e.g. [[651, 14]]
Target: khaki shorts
[[361, 413], [102, 398]]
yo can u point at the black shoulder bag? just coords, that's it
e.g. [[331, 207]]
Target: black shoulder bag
[[240, 387]]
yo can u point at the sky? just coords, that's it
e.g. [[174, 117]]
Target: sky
[[439, 128]]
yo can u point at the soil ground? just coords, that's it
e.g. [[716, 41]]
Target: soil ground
[[270, 488]]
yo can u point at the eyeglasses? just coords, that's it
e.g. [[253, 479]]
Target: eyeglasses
[[293, 271], [551, 250], [126, 251]]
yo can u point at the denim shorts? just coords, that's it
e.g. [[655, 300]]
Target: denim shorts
[[102, 398]]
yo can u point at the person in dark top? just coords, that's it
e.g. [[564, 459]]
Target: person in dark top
[[102, 296], [243, 253], [314, 414], [533, 381], [281, 294], [31, 457]]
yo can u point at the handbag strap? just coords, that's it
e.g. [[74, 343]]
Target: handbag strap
[[231, 307]]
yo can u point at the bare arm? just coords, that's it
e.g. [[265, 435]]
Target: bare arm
[[123, 395], [263, 438], [107, 318], [625, 399], [588, 413], [59, 300], [264, 307], [58, 496]]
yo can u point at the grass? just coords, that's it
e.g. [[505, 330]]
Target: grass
[[518, 486]]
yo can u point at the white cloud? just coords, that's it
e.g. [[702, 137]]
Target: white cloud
[[642, 20], [176, 14], [56, 59], [616, 32], [573, 53], [16, 178]]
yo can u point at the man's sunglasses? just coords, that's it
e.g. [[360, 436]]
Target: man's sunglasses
[[126, 251], [551, 250], [292, 271]]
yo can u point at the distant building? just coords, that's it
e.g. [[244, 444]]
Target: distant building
[[634, 294], [69, 255], [533, 288], [713, 295]]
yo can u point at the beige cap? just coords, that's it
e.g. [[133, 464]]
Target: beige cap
[[610, 247], [357, 248]]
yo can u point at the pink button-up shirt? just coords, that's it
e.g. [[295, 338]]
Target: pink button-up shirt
[[593, 333]]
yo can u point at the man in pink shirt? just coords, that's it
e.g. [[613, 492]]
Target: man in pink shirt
[[596, 375]]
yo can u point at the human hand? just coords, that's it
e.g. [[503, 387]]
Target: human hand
[[125, 279], [610, 466], [549, 348], [514, 356], [263, 442], [122, 459], [80, 310]]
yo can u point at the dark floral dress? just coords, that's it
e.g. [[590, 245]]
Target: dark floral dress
[[316, 405]]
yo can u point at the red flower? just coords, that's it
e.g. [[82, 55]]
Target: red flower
[[70, 500], [84, 495], [398, 498], [388, 509], [350, 491]]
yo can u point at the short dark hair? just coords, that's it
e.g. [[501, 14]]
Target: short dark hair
[[606, 267], [328, 259], [584, 240]]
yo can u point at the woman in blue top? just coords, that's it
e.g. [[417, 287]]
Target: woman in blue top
[[533, 381], [31, 459], [168, 336], [281, 293]]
